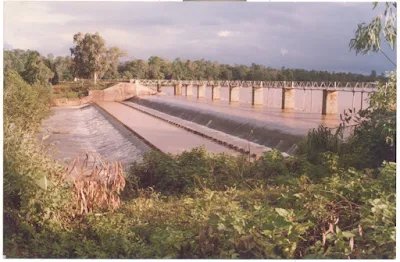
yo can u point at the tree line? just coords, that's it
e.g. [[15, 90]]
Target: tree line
[[91, 59]]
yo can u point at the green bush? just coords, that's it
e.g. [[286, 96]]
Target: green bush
[[348, 215], [24, 105]]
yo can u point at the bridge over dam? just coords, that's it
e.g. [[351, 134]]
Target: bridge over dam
[[127, 120], [233, 90]]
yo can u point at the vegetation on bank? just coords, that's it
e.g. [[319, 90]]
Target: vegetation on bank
[[197, 205], [59, 69], [335, 199], [77, 89]]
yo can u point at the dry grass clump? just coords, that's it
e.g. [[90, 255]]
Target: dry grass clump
[[97, 183]]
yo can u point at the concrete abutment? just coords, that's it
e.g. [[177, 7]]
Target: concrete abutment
[[178, 89]]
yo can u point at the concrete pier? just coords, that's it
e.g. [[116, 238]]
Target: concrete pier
[[201, 91], [216, 92], [234, 94], [257, 97], [178, 89], [189, 90], [329, 102], [288, 98]]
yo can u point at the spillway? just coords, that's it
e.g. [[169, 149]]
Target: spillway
[[164, 136], [269, 129], [71, 131]]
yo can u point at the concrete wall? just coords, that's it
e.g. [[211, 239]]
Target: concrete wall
[[118, 92], [66, 102], [178, 89]]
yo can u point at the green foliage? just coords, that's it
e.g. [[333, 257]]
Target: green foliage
[[32, 199], [24, 105], [66, 68], [372, 137], [347, 214], [159, 68], [36, 72], [91, 58], [77, 89], [368, 37], [198, 169], [30, 65], [322, 139]]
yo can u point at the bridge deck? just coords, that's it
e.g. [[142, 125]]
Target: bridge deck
[[162, 135]]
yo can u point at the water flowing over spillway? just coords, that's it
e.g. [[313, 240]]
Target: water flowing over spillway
[[267, 130], [88, 129]]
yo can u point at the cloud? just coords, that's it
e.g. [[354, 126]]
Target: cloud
[[224, 33], [32, 13], [263, 32]]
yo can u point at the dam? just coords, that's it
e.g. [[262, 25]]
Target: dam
[[125, 121]]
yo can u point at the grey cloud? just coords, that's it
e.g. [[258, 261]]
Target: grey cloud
[[315, 35]]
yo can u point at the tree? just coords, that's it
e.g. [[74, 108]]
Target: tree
[[373, 75], [64, 68], [200, 72], [368, 37], [239, 72], [374, 137], [225, 73], [178, 69], [190, 69], [16, 59], [155, 65], [36, 72], [89, 55], [113, 55]]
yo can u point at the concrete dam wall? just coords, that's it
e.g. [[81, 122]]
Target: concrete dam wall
[[73, 131], [118, 92], [250, 129]]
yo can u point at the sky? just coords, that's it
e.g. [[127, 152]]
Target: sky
[[293, 35]]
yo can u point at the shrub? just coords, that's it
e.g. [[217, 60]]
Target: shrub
[[24, 105]]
